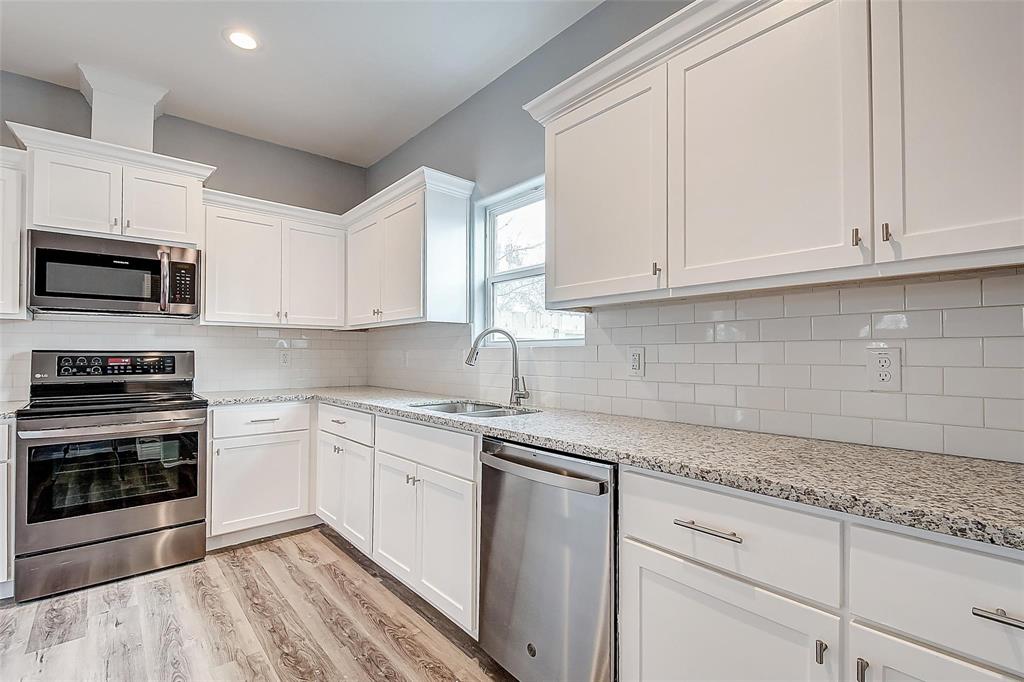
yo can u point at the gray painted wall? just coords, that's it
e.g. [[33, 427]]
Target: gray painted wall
[[245, 165], [489, 138]]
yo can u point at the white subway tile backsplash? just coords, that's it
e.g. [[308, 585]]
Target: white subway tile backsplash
[[870, 299], [1001, 413], [944, 352], [937, 409], [988, 443], [824, 302], [995, 321], [744, 363], [1003, 290], [1004, 352], [957, 293], [713, 311]]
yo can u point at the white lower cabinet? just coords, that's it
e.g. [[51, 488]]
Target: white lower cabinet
[[878, 657], [680, 621], [259, 480], [424, 533], [344, 488], [5, 539]]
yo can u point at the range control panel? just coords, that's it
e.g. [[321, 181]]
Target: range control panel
[[111, 365]]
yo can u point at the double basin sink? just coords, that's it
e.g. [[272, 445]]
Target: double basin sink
[[470, 408]]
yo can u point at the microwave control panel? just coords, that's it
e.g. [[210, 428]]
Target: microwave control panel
[[183, 283], [113, 365]]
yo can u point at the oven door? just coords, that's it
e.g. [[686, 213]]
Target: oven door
[[86, 483], [71, 273]]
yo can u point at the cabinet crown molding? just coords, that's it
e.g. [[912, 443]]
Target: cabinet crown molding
[[12, 158], [421, 178], [51, 140], [652, 47], [213, 197]]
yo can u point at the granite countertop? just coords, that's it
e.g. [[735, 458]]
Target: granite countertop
[[976, 499], [8, 408]]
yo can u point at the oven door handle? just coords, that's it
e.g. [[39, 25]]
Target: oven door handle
[[165, 281], [110, 429]]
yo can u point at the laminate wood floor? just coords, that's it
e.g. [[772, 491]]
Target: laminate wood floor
[[301, 607]]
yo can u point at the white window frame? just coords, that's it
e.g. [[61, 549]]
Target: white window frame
[[488, 209]]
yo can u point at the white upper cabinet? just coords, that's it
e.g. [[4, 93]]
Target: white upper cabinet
[[314, 275], [243, 267], [770, 114], [75, 192], [408, 255], [401, 289], [271, 264], [948, 81], [75, 183], [605, 191], [769, 146], [12, 183], [364, 270], [162, 205]]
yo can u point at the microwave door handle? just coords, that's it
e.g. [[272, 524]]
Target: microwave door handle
[[165, 281]]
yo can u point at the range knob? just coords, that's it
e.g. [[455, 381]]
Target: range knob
[[95, 370], [96, 361], [81, 360], [65, 362], [65, 371]]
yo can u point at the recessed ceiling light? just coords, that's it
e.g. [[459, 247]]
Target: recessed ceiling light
[[241, 39]]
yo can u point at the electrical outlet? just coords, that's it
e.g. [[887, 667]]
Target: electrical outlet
[[885, 371], [284, 358], [636, 361]]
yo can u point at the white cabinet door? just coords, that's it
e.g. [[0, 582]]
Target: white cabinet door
[[679, 621], [948, 92], [161, 205], [259, 480], [769, 146], [75, 192], [5, 544], [243, 267], [401, 289], [11, 183], [394, 516], [447, 543], [329, 479], [890, 659], [606, 193], [356, 521], [362, 288], [314, 275]]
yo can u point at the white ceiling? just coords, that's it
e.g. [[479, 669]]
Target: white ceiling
[[351, 80]]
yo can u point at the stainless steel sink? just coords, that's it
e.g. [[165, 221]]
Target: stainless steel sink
[[472, 408]]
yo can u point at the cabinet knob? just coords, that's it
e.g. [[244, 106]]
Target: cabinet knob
[[855, 239], [886, 232], [115, 222], [655, 270], [862, 670], [278, 313], [819, 652], [286, 316], [217, 452], [127, 223]]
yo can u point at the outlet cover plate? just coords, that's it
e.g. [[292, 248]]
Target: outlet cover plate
[[635, 361], [885, 369]]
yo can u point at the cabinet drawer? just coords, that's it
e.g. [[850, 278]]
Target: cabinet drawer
[[929, 590], [249, 420], [350, 424], [447, 451], [790, 550]]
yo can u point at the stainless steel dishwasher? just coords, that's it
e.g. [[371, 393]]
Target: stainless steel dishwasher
[[547, 571]]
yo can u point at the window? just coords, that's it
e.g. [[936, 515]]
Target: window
[[514, 240]]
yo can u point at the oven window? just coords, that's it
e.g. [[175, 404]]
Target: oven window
[[69, 480], [75, 274]]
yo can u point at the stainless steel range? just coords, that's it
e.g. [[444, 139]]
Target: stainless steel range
[[111, 469]]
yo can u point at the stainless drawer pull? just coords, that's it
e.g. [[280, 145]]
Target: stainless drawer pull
[[264, 421], [692, 525], [862, 670], [819, 652], [339, 422], [999, 616]]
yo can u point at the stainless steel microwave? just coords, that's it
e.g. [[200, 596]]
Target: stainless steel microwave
[[78, 274]]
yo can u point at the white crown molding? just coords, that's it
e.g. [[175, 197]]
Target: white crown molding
[[652, 47], [212, 197], [11, 157], [92, 78], [51, 140], [421, 178]]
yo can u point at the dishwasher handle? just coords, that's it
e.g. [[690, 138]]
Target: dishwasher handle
[[587, 486]]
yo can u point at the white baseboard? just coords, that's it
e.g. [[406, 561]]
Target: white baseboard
[[7, 589], [250, 534]]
